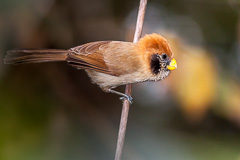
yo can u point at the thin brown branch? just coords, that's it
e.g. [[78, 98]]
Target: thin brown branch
[[128, 90]]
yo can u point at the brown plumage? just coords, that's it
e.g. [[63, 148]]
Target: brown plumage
[[109, 63]]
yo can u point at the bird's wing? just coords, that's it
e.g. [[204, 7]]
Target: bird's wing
[[98, 56], [87, 56]]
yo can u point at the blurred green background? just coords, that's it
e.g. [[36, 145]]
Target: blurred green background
[[51, 111]]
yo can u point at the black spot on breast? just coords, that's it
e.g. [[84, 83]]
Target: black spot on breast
[[155, 65]]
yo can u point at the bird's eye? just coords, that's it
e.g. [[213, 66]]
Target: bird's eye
[[164, 56]]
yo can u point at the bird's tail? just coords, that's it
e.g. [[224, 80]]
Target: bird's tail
[[20, 56]]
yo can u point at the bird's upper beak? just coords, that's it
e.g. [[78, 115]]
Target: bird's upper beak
[[172, 65]]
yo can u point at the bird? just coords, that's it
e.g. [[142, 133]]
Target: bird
[[109, 64]]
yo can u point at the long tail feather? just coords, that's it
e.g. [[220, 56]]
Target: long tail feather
[[20, 56]]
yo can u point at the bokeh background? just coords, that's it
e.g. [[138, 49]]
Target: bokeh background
[[51, 111]]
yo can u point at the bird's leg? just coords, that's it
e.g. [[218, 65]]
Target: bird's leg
[[124, 96]]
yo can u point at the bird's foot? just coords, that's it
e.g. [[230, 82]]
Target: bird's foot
[[124, 96], [129, 98]]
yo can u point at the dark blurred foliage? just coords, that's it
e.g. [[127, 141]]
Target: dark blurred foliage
[[52, 111]]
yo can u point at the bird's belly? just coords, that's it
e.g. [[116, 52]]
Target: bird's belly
[[106, 81]]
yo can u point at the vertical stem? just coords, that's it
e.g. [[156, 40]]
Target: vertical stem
[[128, 90], [238, 36]]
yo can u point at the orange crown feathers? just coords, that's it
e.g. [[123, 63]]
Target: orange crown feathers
[[154, 43]]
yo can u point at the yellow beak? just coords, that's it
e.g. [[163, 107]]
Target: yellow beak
[[172, 65]]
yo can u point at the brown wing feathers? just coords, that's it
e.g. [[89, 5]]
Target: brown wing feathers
[[88, 56], [89, 48], [93, 62]]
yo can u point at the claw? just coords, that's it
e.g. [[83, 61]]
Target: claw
[[129, 98]]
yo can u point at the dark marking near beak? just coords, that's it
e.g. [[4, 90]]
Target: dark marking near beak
[[155, 65]]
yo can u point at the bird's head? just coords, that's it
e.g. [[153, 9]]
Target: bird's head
[[158, 53]]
